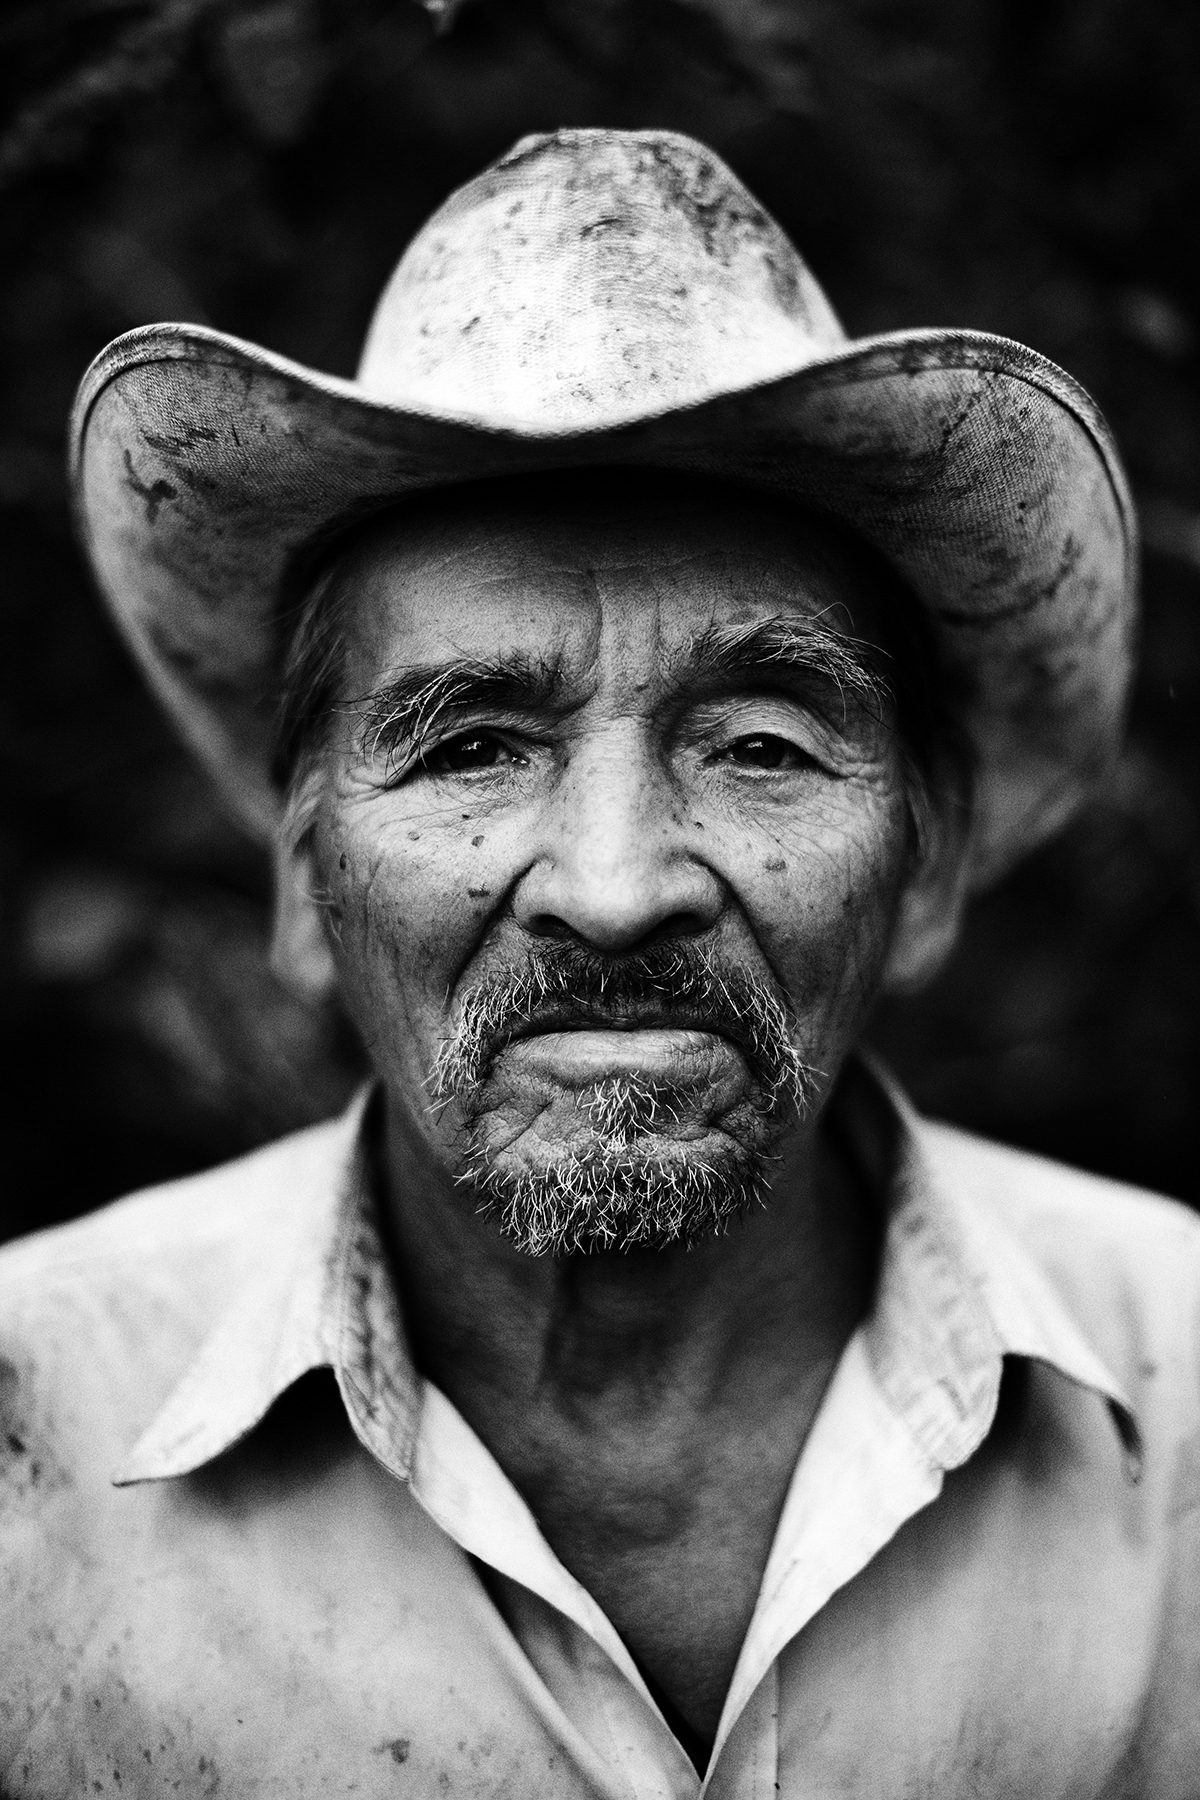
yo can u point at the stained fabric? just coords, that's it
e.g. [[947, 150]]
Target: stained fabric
[[245, 1547]]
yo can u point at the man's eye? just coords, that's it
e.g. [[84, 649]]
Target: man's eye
[[473, 750], [763, 751]]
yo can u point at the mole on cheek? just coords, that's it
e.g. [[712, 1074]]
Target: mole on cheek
[[475, 842], [414, 837], [775, 865], [343, 861]]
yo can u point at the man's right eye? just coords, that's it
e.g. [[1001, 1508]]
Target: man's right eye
[[460, 755]]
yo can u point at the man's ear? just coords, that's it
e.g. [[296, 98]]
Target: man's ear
[[934, 895], [300, 952]]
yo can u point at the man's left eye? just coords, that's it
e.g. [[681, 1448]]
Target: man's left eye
[[763, 751], [459, 755]]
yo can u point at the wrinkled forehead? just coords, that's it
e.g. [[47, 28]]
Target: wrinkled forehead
[[548, 565]]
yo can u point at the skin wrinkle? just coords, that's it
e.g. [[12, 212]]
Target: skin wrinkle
[[925, 766], [366, 902], [622, 1388], [620, 1191], [418, 706]]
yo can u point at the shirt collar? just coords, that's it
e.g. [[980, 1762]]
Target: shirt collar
[[957, 1291], [316, 1292], [956, 1294]]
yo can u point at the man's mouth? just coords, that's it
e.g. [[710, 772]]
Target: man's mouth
[[629, 1020], [581, 1055], [670, 1020]]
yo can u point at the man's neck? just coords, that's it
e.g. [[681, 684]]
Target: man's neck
[[649, 1406]]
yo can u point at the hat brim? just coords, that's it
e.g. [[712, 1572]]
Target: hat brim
[[202, 466]]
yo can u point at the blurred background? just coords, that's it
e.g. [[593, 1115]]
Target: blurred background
[[1030, 167]]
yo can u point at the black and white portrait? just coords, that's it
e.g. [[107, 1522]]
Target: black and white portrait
[[600, 871]]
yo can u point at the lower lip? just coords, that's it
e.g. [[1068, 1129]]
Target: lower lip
[[578, 1058]]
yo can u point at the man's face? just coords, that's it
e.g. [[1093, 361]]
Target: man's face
[[611, 833]]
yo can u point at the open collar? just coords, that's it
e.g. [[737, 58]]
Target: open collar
[[316, 1292], [957, 1293]]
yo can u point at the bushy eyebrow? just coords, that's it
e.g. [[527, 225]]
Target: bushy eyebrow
[[804, 648], [410, 708]]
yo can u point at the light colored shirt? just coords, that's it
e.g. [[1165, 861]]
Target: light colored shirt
[[226, 1571]]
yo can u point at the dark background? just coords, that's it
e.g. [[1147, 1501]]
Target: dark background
[[1031, 168]]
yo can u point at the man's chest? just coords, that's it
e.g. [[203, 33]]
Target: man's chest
[[323, 1637], [324, 1644], [677, 1570]]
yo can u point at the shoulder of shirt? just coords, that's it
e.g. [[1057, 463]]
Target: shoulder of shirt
[[223, 1208], [100, 1317], [99, 1321], [1036, 1192], [1124, 1261]]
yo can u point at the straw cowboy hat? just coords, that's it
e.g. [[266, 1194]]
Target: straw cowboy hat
[[620, 299]]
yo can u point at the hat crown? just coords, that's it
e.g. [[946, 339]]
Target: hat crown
[[591, 276]]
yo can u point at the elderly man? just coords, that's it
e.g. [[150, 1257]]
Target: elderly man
[[630, 1396]]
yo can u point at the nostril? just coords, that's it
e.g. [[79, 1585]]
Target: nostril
[[546, 925]]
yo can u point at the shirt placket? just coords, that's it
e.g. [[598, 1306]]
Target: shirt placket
[[582, 1661], [860, 1477]]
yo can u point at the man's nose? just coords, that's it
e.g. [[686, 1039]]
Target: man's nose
[[618, 862]]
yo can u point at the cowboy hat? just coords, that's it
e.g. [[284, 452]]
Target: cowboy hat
[[619, 298]]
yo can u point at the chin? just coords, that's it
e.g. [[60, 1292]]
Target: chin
[[615, 1193]]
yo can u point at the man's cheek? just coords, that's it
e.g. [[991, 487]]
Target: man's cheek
[[407, 916], [826, 929], [381, 924]]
